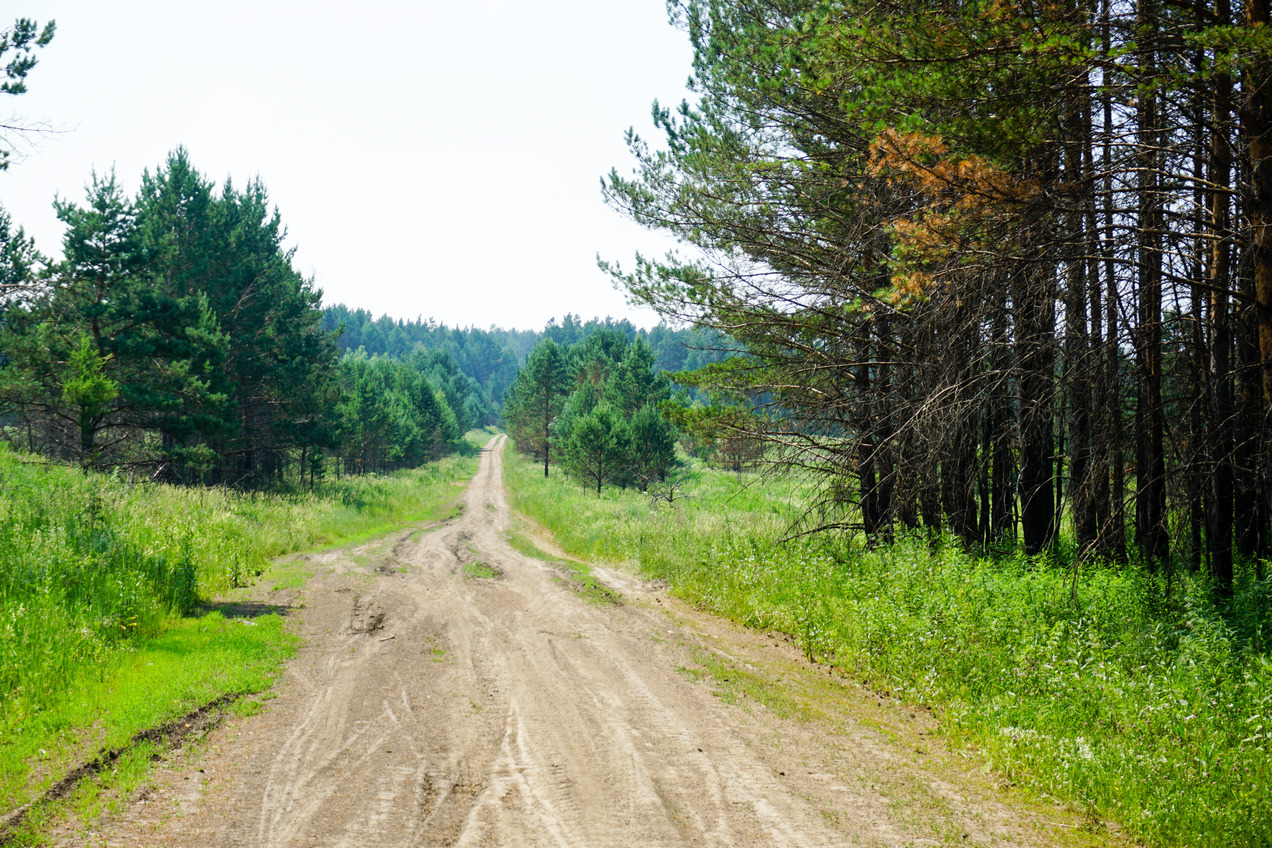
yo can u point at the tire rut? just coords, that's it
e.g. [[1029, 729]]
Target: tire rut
[[432, 709]]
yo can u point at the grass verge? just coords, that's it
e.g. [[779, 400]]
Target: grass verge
[[103, 630], [1128, 703], [192, 663], [577, 575]]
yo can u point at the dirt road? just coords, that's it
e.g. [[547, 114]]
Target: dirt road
[[455, 692]]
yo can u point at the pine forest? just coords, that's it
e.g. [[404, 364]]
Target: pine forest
[[1001, 270], [960, 390]]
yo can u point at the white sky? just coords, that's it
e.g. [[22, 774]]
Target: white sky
[[428, 158]]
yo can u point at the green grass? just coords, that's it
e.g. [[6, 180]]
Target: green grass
[[577, 575], [90, 564], [481, 571], [190, 663], [478, 439], [102, 586], [1131, 704]]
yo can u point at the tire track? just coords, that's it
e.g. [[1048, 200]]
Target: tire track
[[429, 708]]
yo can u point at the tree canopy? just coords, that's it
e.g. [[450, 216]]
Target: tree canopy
[[175, 335], [992, 262], [594, 407]]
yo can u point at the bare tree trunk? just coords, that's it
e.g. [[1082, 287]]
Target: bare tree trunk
[[999, 427], [1077, 345], [1034, 299], [1220, 512], [1150, 467], [1256, 125]]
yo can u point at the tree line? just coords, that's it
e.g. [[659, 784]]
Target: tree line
[[174, 335], [489, 358], [1002, 268], [492, 356], [592, 407]]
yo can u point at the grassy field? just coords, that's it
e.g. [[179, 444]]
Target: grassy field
[[1150, 709], [104, 631]]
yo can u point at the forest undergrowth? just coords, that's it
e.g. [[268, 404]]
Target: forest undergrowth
[[1131, 701], [105, 626]]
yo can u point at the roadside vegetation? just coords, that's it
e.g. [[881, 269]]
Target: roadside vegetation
[[1149, 709], [593, 408], [106, 625]]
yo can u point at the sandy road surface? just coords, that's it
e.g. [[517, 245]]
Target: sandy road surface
[[435, 707]]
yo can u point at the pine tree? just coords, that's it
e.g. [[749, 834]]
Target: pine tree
[[597, 447], [653, 446], [535, 400], [279, 367], [18, 261], [22, 39]]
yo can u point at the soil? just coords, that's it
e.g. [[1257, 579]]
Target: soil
[[454, 692]]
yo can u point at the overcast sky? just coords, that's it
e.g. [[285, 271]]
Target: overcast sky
[[439, 159]]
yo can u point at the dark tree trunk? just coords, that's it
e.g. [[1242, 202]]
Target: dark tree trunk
[[1150, 468], [1035, 328], [1220, 512]]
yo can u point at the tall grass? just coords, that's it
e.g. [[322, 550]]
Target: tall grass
[[1150, 708], [90, 565], [101, 582]]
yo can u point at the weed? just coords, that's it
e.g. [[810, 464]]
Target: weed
[[1149, 708], [481, 571]]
